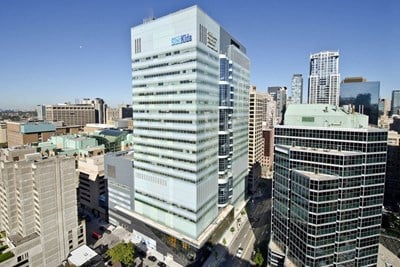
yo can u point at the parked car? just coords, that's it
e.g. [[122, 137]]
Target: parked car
[[239, 252], [96, 235], [161, 264], [152, 258]]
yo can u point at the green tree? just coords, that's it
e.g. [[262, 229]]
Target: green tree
[[123, 253], [258, 258]]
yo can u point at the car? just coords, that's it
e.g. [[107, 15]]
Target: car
[[239, 252], [102, 228], [161, 264], [96, 235], [152, 258]]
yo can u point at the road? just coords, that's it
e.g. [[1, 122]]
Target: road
[[254, 232]]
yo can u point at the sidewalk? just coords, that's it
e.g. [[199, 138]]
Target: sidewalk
[[222, 249]]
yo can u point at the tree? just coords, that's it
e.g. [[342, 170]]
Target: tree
[[258, 258], [123, 252], [232, 229]]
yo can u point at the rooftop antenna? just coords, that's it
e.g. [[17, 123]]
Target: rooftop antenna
[[151, 16]]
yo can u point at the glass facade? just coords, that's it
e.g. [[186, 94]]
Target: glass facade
[[395, 104], [364, 96], [225, 150], [328, 194]]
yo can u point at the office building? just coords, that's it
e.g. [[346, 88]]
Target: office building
[[279, 94], [71, 114], [297, 89], [392, 182], [362, 95], [328, 188], [395, 103], [39, 213], [122, 112], [100, 108], [125, 111], [24, 133], [190, 103], [324, 79], [256, 141]]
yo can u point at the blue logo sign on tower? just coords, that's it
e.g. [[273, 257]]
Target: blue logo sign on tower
[[181, 39]]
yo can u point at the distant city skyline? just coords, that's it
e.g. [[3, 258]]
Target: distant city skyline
[[55, 52]]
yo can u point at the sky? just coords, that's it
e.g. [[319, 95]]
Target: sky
[[58, 51]]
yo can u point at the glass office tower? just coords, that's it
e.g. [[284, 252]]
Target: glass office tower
[[395, 103], [363, 96], [328, 188]]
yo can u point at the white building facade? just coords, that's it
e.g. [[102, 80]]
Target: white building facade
[[324, 79], [181, 177]]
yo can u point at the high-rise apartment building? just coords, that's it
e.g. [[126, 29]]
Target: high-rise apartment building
[[395, 103], [71, 114], [190, 112], [279, 94], [362, 95], [328, 188], [39, 212], [324, 79], [297, 89]]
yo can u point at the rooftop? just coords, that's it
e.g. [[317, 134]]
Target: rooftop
[[324, 115], [81, 255]]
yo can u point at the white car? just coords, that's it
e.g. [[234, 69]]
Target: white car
[[239, 252]]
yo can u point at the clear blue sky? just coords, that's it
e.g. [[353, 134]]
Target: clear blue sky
[[58, 51]]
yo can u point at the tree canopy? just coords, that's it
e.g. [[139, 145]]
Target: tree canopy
[[123, 252], [258, 258]]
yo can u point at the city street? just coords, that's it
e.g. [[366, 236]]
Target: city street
[[254, 233]]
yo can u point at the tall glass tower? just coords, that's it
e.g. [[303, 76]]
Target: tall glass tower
[[324, 79], [327, 189]]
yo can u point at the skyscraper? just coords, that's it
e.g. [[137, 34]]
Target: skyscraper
[[324, 79], [190, 111], [362, 95], [327, 189], [395, 103], [279, 94], [297, 89]]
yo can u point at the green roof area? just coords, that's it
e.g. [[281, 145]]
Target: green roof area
[[324, 115]]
